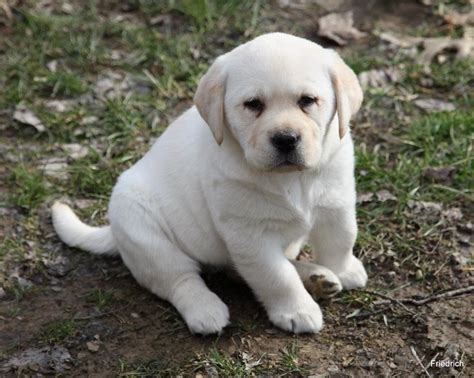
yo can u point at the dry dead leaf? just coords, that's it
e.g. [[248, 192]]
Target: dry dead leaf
[[55, 168], [443, 174], [432, 105], [384, 195], [365, 197], [93, 346], [52, 65], [45, 360], [24, 115], [379, 78], [425, 208], [113, 84], [400, 41], [110, 85], [67, 8], [433, 46], [57, 267], [60, 106], [75, 150], [453, 214], [459, 19], [339, 27], [6, 9], [84, 203], [88, 120]]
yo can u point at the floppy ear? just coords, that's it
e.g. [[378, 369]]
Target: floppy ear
[[348, 92], [209, 99]]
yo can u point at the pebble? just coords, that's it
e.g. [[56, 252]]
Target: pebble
[[419, 274]]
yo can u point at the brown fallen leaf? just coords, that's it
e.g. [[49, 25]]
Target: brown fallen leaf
[[93, 346], [46, 360], [365, 197], [6, 9], [339, 27], [384, 195], [433, 46], [425, 208], [60, 106], [379, 78], [75, 150], [400, 41], [24, 115], [58, 266], [432, 105], [52, 65], [459, 19], [453, 214], [443, 174], [54, 167]]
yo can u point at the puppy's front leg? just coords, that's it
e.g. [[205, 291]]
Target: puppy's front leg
[[277, 284], [332, 240]]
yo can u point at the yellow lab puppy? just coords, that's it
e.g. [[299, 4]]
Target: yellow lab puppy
[[262, 164]]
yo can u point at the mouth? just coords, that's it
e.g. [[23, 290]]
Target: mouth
[[289, 163]]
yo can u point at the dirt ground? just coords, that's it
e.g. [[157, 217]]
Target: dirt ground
[[64, 312]]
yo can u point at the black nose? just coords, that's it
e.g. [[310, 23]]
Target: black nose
[[285, 141]]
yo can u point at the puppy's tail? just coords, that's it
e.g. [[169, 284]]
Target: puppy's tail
[[73, 232]]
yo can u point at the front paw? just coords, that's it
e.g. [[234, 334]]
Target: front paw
[[304, 317], [209, 318], [323, 285], [354, 276]]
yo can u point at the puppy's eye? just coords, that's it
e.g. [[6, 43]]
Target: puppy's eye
[[306, 101], [254, 105]]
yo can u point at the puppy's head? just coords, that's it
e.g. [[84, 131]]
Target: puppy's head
[[282, 98]]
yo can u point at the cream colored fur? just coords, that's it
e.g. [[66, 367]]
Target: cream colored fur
[[214, 190]]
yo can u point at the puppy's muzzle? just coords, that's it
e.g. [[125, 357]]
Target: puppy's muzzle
[[285, 141]]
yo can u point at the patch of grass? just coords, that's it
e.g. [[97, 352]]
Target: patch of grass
[[28, 187], [150, 368], [58, 331], [358, 298], [62, 84], [205, 14], [100, 298], [224, 364], [289, 363], [19, 291], [435, 140], [12, 248], [453, 78], [122, 118], [360, 63], [93, 177]]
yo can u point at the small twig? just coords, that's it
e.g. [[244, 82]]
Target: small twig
[[423, 301], [435, 297], [441, 267], [413, 351], [389, 299]]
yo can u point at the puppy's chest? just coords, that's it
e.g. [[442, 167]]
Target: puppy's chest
[[274, 207]]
